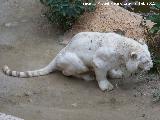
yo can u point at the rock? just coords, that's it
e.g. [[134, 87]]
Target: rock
[[28, 93], [143, 115], [11, 24], [74, 105], [8, 117], [107, 18]]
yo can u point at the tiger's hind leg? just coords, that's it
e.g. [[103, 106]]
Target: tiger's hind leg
[[70, 64]]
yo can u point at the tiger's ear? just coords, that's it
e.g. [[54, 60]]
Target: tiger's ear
[[141, 41], [133, 55]]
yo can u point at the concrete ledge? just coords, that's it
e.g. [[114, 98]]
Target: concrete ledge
[[8, 117]]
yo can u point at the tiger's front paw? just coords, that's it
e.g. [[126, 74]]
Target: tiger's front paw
[[105, 85]]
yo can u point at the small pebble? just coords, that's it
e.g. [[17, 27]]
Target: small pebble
[[74, 105], [30, 100], [143, 115], [11, 24], [27, 93]]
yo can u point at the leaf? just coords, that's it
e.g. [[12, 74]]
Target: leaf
[[49, 2], [157, 5], [155, 18], [158, 62], [154, 30], [81, 6], [42, 1]]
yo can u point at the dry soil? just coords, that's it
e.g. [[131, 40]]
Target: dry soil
[[27, 42]]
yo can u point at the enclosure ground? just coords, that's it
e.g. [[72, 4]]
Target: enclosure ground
[[27, 42]]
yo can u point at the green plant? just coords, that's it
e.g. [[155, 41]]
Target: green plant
[[65, 12], [154, 47], [154, 35], [156, 19], [156, 64]]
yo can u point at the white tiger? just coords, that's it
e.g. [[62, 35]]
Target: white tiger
[[90, 54]]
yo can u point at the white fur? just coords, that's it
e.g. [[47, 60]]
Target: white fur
[[101, 53]]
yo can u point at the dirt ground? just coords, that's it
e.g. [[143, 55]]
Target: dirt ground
[[27, 42]]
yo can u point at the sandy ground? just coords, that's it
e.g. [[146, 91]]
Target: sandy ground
[[28, 42]]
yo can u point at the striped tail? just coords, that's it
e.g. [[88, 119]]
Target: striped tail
[[44, 71]]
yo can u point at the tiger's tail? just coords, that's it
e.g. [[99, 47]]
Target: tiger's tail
[[44, 71]]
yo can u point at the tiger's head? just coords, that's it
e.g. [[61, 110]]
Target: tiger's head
[[140, 60]]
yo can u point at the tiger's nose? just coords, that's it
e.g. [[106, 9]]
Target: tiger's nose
[[151, 64], [148, 68]]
